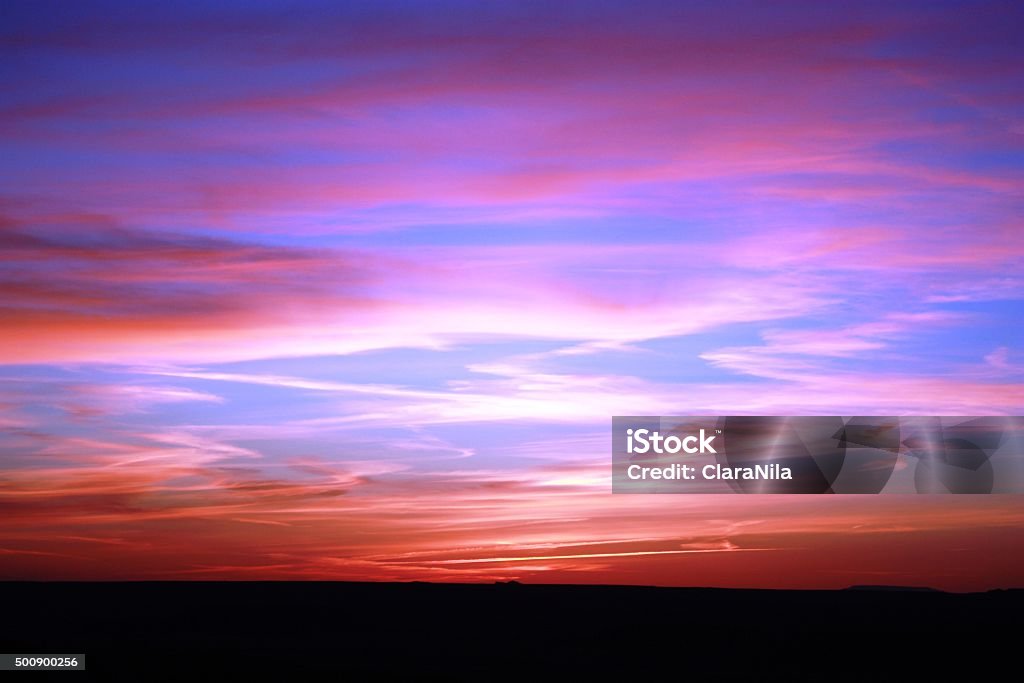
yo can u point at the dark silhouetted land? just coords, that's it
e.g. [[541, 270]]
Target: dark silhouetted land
[[366, 631]]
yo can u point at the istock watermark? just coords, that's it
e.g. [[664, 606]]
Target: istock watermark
[[646, 441], [819, 454]]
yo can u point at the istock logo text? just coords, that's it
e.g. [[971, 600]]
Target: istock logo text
[[648, 441]]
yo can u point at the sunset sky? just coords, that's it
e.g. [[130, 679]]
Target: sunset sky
[[352, 290]]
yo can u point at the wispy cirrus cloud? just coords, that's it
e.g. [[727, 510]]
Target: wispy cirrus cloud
[[121, 296]]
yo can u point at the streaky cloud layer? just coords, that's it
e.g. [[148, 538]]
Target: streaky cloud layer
[[351, 291]]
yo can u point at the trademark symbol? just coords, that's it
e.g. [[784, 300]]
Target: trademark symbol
[[718, 431]]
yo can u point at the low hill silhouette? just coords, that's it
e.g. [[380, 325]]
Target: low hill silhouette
[[412, 631]]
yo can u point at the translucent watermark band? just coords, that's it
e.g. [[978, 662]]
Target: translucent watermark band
[[821, 454]]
